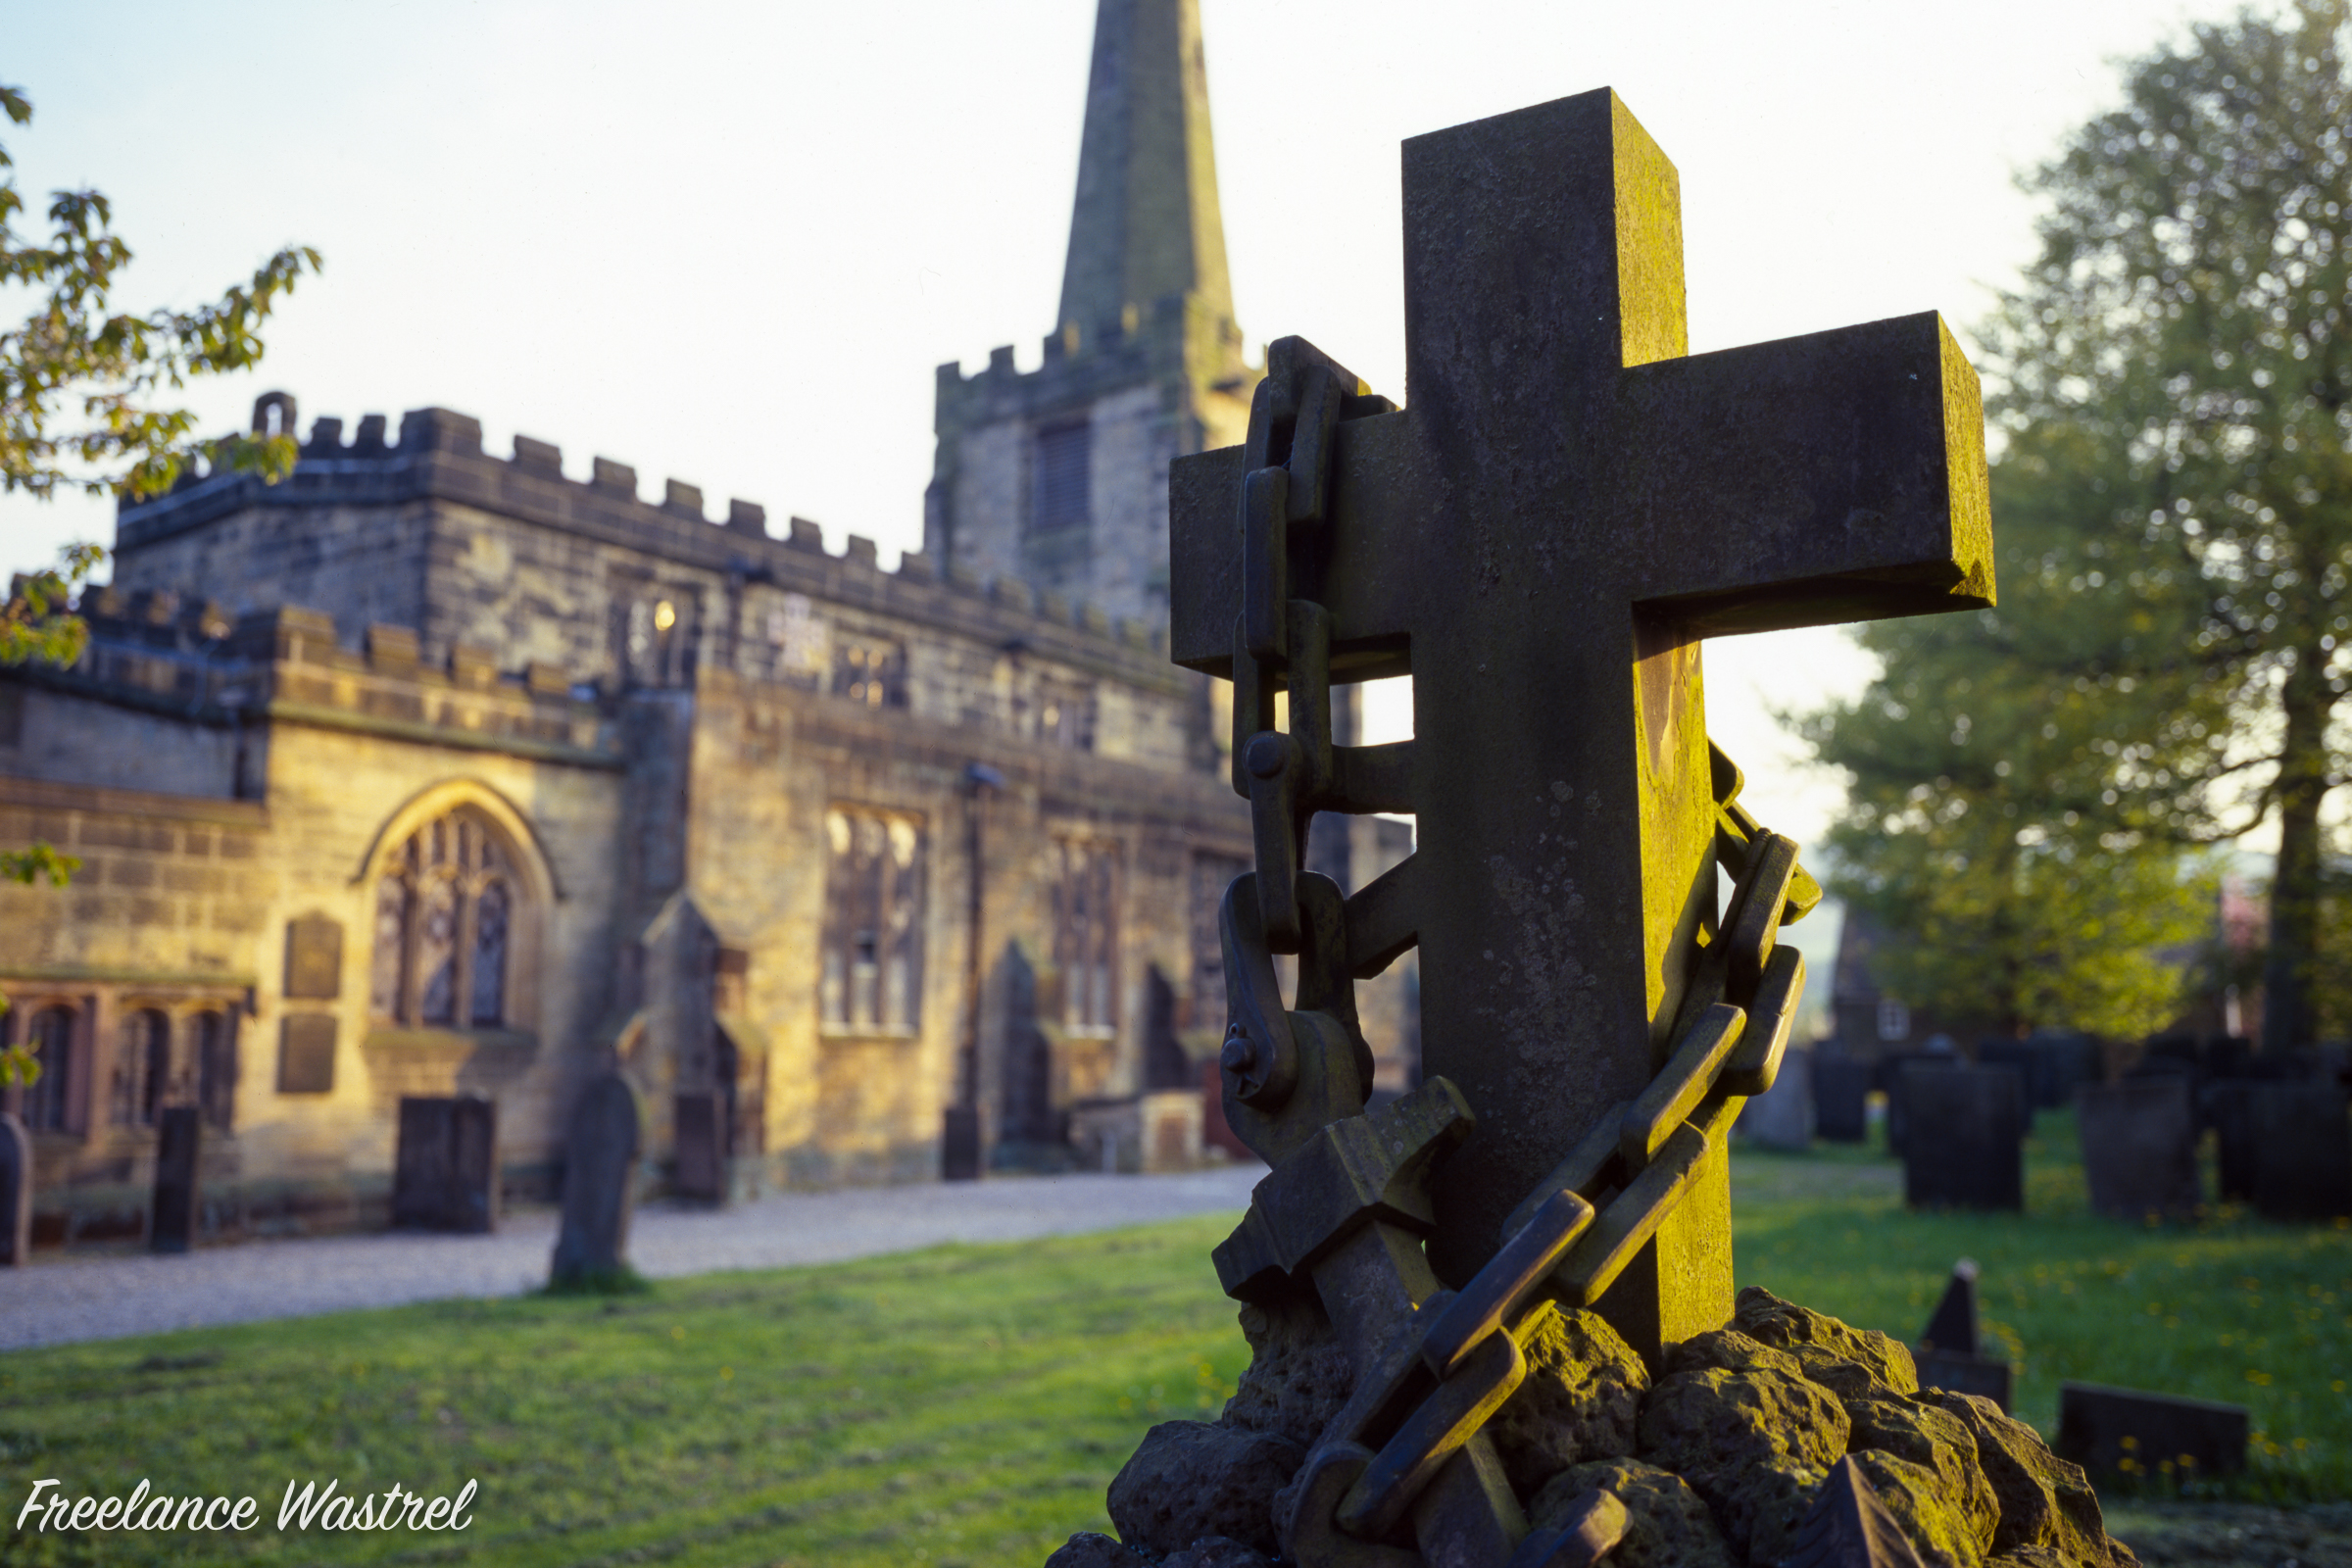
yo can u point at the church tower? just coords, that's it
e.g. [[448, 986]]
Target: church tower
[[1058, 476]]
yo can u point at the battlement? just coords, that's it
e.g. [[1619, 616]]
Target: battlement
[[287, 664], [439, 457]]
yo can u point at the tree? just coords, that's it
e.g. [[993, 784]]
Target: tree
[[2173, 498], [78, 387], [1982, 822]]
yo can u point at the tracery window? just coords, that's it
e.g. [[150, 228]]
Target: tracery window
[[444, 920], [1086, 937], [870, 971]]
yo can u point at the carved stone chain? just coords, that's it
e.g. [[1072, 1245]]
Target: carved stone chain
[[1346, 1206]]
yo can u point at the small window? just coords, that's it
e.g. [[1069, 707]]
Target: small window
[[50, 1039], [1086, 941], [1212, 874], [142, 1084], [1064, 457], [870, 670], [870, 971], [1065, 715], [1895, 1020], [216, 1070]]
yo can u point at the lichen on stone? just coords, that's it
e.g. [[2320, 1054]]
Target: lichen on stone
[[1667, 1524], [1582, 1399]]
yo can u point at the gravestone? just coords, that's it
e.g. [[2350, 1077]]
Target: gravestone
[[599, 1184], [2302, 1150], [16, 1192], [1964, 1138], [2155, 1435], [698, 1147], [444, 1173], [172, 1216], [1890, 1080], [1570, 506], [1781, 1117], [1541, 541], [1841, 1099], [2227, 1107], [960, 1157], [1950, 1353], [2139, 1147]]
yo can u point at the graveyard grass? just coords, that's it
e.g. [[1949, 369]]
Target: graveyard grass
[[969, 1404]]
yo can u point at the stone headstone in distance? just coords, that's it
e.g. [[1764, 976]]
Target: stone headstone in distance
[[445, 1172], [2227, 1107], [1781, 1117], [600, 1167], [1948, 1352], [959, 1150], [697, 1130], [2125, 1431], [172, 1216], [1850, 1527], [2139, 1147], [1964, 1137], [16, 1193], [2301, 1146], [1841, 1099]]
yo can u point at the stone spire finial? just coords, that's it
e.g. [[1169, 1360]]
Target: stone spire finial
[[1146, 224]]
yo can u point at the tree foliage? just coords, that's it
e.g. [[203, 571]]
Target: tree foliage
[[2172, 392], [79, 383], [77, 380], [2177, 373]]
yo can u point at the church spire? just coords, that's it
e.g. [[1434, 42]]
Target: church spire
[[1146, 224]]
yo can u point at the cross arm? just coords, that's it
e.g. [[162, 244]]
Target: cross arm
[[1834, 477], [1368, 566]]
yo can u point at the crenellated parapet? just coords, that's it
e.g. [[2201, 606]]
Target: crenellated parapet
[[186, 659], [438, 459]]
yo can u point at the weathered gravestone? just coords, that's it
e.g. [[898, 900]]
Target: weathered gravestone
[[1541, 540], [2302, 1150], [1840, 1098], [600, 1184], [16, 1192], [172, 1214], [1964, 1137], [2125, 1431], [2139, 1147], [699, 1148], [445, 1172], [1950, 1351], [2228, 1108], [1781, 1117]]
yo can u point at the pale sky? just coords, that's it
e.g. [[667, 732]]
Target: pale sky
[[729, 243]]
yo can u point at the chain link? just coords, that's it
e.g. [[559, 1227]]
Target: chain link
[[1290, 1072]]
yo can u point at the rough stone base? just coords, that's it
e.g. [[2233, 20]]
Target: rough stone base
[[1716, 1461]]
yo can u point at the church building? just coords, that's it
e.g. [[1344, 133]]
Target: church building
[[434, 772]]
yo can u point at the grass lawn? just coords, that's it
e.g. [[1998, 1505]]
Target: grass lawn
[[969, 1404]]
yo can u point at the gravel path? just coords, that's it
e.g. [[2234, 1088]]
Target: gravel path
[[83, 1298]]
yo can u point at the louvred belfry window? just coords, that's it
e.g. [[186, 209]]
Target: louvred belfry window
[[444, 912], [1061, 479]]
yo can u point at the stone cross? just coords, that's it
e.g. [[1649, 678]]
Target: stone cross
[[1542, 538]]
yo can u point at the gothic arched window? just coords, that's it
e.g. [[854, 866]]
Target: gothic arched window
[[444, 914]]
